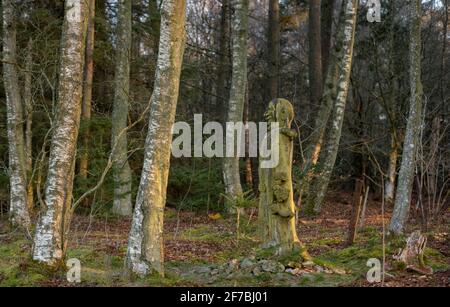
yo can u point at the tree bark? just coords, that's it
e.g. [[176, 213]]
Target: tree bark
[[322, 176], [327, 12], [121, 168], [273, 48], [315, 54], [50, 239], [224, 61], [413, 127], [145, 245], [16, 142], [231, 174], [28, 106], [87, 91]]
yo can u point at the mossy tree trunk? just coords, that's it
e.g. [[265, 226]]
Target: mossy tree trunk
[[338, 91], [145, 251], [121, 168], [231, 174], [18, 211], [413, 127], [50, 239]]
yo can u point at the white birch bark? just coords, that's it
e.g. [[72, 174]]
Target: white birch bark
[[327, 160], [413, 127], [16, 143], [236, 102], [121, 168], [51, 231], [145, 244]]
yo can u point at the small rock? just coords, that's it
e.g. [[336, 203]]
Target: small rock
[[247, 263], [203, 270], [272, 267], [308, 264], [319, 269], [215, 272], [338, 271], [295, 271], [256, 271]]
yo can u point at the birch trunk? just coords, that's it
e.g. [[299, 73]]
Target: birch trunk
[[16, 143], [145, 244], [53, 225], [413, 127], [329, 92], [121, 168], [274, 47], [87, 91], [231, 174], [320, 182]]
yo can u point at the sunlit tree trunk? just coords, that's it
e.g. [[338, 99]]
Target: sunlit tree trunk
[[413, 127], [231, 174], [16, 142], [274, 47], [87, 91], [319, 185], [145, 244], [50, 239], [326, 106], [121, 168]]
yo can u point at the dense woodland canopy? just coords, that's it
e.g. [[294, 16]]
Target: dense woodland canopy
[[91, 89]]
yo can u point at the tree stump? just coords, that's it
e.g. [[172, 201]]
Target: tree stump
[[411, 256]]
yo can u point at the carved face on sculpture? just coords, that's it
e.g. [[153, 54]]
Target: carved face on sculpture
[[284, 112]]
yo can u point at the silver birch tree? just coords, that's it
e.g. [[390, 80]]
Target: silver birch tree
[[50, 239], [17, 149], [121, 168], [145, 251], [233, 188], [413, 126], [327, 160]]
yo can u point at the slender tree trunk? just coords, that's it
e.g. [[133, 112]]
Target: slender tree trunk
[[231, 175], [121, 168], [28, 106], [16, 142], [274, 48], [87, 91], [145, 245], [322, 177], [155, 21], [389, 189], [224, 61], [248, 160], [327, 12], [413, 127], [50, 239], [326, 105], [315, 54]]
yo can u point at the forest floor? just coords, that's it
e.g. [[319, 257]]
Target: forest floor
[[200, 247]]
